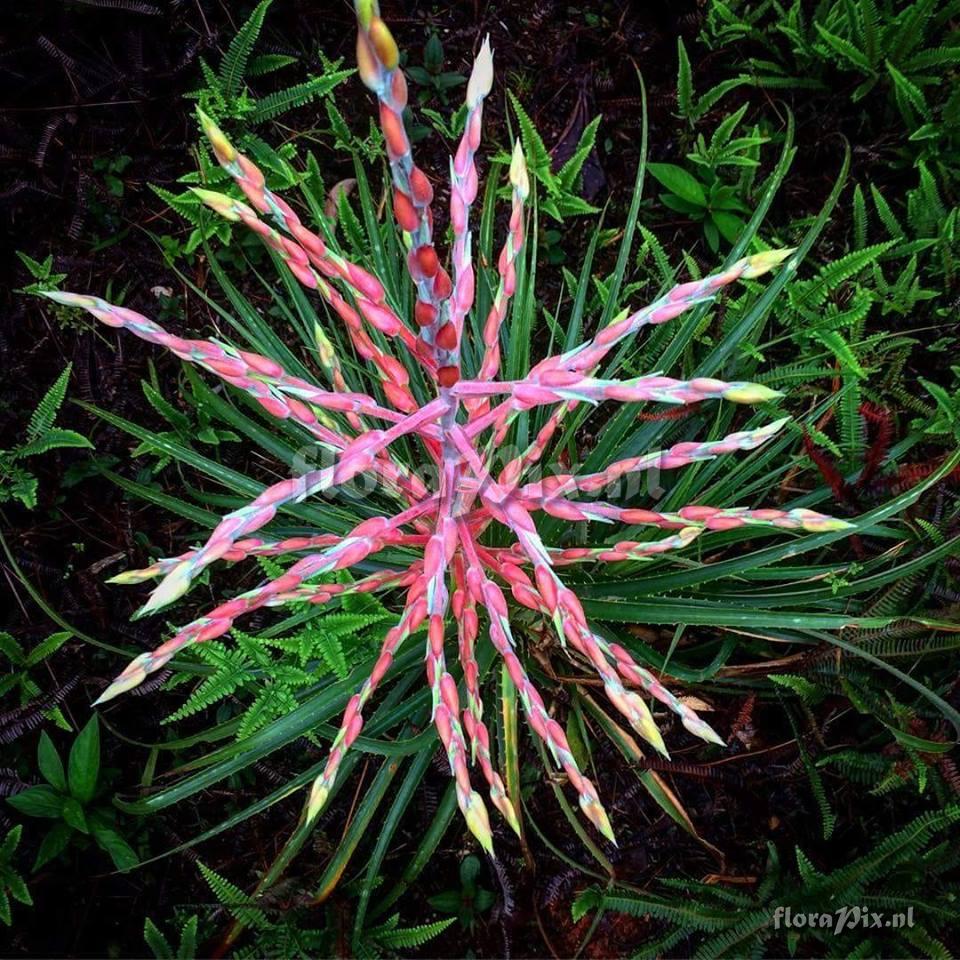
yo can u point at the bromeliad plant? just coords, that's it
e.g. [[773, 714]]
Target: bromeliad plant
[[458, 574]]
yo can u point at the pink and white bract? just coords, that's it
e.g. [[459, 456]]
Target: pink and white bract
[[458, 577]]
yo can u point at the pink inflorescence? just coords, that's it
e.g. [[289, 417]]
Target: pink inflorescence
[[456, 571]]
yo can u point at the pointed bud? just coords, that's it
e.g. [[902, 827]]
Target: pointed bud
[[703, 730], [518, 172], [645, 725], [174, 585], [84, 301], [134, 576], [134, 674], [319, 793], [824, 524], [761, 263], [325, 351], [509, 814], [478, 821], [595, 813], [366, 11], [218, 140], [750, 393], [220, 203], [481, 77]]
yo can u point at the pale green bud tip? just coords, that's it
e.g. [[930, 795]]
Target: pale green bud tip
[[598, 817], [826, 524], [366, 11], [319, 793], [622, 315], [751, 393], [481, 77], [325, 349], [648, 730], [761, 263], [126, 681], [70, 299], [219, 202], [222, 147], [510, 815], [518, 172], [478, 822], [130, 576], [173, 586], [703, 730]]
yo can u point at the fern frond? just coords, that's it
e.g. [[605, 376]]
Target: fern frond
[[54, 438], [237, 903], [894, 849], [232, 670], [408, 938], [276, 104], [234, 66], [43, 417]]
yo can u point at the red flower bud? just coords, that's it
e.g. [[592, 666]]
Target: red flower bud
[[447, 337], [448, 376]]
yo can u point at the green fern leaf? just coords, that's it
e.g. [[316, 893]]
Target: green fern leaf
[[174, 417], [408, 938], [53, 439], [568, 173], [803, 688], [234, 899], [232, 669], [537, 155], [234, 66], [276, 104], [43, 417], [156, 941], [844, 49]]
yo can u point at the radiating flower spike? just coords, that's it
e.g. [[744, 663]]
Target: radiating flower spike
[[454, 570]]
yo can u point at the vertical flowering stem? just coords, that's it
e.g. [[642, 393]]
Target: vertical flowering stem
[[378, 61], [446, 332], [490, 364]]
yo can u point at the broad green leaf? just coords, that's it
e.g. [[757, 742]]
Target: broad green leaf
[[50, 764], [83, 765], [680, 182], [41, 801]]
